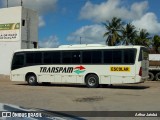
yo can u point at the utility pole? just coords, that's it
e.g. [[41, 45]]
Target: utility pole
[[7, 3], [80, 40], [21, 2]]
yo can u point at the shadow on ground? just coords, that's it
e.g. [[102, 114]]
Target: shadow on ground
[[126, 86], [121, 86]]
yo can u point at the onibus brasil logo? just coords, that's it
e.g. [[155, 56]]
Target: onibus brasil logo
[[79, 69]]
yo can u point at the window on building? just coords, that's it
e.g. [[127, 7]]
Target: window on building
[[23, 22]]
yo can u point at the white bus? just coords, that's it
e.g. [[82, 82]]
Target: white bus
[[91, 64]]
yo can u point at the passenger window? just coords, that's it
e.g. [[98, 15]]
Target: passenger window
[[51, 57], [71, 57], [76, 57], [56, 57], [66, 57], [34, 58], [38, 58], [91, 57], [129, 56], [107, 56], [86, 57], [117, 56], [97, 57], [47, 58]]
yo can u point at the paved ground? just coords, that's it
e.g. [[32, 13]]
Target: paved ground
[[132, 97]]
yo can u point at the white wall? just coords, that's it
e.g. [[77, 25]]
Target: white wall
[[30, 29], [154, 57], [6, 51], [13, 16]]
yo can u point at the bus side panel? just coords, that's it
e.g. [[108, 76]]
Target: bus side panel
[[105, 79], [122, 79], [57, 74], [16, 75], [80, 79], [68, 79], [58, 78], [122, 74], [113, 74], [46, 78]]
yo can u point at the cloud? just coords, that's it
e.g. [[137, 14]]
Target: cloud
[[41, 21], [111, 8], [149, 22], [89, 34], [138, 9], [50, 42], [39, 5], [135, 13]]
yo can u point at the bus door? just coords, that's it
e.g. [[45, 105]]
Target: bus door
[[143, 58]]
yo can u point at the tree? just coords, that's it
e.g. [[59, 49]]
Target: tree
[[113, 28], [156, 43], [142, 38], [129, 34]]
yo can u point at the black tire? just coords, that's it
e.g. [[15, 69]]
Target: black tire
[[92, 81], [158, 76], [32, 79], [151, 76]]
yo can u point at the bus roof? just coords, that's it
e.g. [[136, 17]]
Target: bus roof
[[79, 47]]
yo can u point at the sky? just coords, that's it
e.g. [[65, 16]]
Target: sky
[[69, 21]]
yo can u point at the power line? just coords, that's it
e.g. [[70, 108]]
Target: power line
[[80, 40]]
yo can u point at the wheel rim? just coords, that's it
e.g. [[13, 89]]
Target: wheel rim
[[150, 77], [31, 79], [91, 81]]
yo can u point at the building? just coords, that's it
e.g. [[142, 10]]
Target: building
[[18, 30]]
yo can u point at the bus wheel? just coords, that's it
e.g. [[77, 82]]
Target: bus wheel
[[158, 76], [151, 76], [92, 81], [32, 79]]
